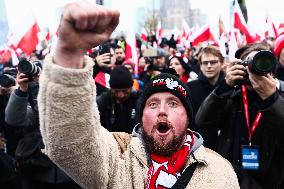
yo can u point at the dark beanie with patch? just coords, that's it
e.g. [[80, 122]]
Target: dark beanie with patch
[[165, 82], [120, 78]]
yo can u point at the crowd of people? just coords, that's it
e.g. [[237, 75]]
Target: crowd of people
[[88, 117]]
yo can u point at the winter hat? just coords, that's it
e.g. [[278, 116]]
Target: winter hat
[[166, 82], [183, 61], [241, 50], [278, 45], [161, 52], [129, 62], [120, 78]]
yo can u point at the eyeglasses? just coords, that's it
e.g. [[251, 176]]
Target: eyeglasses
[[212, 62]]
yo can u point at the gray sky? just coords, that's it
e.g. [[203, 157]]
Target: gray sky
[[47, 11]]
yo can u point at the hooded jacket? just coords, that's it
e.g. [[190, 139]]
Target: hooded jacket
[[94, 157]]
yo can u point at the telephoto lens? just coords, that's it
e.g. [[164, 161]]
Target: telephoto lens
[[31, 69], [261, 62]]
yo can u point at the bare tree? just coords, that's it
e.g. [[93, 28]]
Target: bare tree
[[151, 22]]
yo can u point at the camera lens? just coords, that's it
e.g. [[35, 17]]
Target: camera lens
[[264, 62], [25, 67]]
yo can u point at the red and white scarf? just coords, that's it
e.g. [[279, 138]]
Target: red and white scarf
[[164, 171]]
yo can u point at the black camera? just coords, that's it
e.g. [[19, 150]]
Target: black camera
[[7, 78], [31, 69], [260, 63]]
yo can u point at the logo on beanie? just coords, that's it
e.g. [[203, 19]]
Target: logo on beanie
[[170, 84]]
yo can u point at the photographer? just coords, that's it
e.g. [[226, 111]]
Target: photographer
[[248, 109], [36, 169], [8, 176], [7, 85], [10, 135]]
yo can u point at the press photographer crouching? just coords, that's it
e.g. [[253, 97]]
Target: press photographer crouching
[[247, 108], [36, 169]]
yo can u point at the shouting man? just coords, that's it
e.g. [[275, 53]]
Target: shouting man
[[161, 152]]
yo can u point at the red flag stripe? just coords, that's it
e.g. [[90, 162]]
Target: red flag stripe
[[29, 41]]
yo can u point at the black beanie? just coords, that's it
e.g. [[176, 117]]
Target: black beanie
[[120, 78], [166, 82]]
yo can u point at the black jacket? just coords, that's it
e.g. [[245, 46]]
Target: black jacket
[[33, 164], [117, 117], [3, 103], [223, 109], [199, 90], [279, 71]]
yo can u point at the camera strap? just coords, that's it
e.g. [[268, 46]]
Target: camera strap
[[257, 118]]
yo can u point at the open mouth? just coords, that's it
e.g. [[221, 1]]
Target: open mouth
[[163, 127]]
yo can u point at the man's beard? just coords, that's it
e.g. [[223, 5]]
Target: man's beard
[[163, 149]]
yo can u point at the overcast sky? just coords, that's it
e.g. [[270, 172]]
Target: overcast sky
[[47, 11]]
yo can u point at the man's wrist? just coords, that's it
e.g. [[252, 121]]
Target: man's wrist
[[67, 58], [268, 101]]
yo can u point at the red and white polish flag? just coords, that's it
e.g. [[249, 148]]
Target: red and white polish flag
[[240, 23], [144, 34], [281, 28], [29, 40], [233, 44], [159, 32], [130, 50], [201, 35], [271, 30], [103, 79], [23, 27], [186, 31]]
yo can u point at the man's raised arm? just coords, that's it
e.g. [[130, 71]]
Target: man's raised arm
[[69, 118]]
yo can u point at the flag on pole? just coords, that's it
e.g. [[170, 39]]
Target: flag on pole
[[29, 40], [223, 42], [240, 23], [271, 30], [281, 28], [130, 50], [159, 32], [201, 35], [22, 32], [232, 45], [144, 34], [5, 54], [221, 27], [15, 60], [186, 31]]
